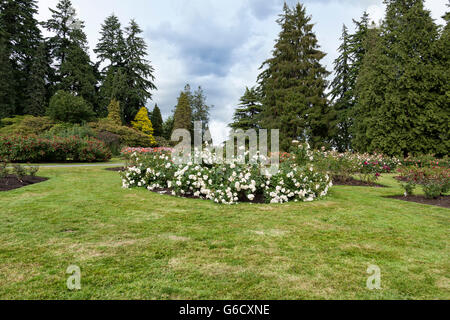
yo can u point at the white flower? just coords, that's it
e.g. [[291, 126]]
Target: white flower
[[251, 197]]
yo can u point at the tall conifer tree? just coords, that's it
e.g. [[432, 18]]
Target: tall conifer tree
[[246, 115], [293, 83]]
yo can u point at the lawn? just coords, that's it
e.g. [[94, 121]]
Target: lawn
[[134, 244]]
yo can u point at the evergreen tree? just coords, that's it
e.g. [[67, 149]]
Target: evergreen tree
[[157, 122], [168, 127], [400, 108], [38, 92], [246, 116], [293, 83], [114, 86], [341, 95], [21, 38], [200, 110], [142, 123], [7, 101], [111, 46], [183, 113], [138, 72], [114, 112]]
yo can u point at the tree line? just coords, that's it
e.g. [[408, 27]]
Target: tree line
[[33, 68], [390, 91]]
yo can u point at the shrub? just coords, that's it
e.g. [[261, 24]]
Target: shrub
[[435, 181], [37, 149], [66, 107], [143, 124], [66, 130], [128, 136], [19, 171], [114, 112], [226, 183], [426, 161], [25, 125], [3, 169]]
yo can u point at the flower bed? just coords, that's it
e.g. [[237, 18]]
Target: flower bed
[[226, 183], [435, 181], [128, 151], [35, 149]]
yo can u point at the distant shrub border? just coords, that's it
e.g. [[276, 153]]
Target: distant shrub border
[[35, 149]]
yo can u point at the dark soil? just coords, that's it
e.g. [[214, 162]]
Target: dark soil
[[11, 182], [118, 169], [356, 183], [443, 201], [259, 198]]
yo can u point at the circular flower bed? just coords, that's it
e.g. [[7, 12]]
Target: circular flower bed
[[226, 183]]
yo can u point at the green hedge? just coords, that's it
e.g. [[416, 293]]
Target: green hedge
[[36, 149]]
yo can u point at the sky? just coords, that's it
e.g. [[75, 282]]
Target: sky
[[218, 44]]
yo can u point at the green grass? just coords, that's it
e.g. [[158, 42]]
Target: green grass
[[134, 244]]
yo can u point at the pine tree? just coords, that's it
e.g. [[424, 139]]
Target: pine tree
[[114, 112], [21, 38], [142, 123], [357, 47], [157, 122], [138, 72], [341, 95], [246, 116], [38, 91], [293, 83], [183, 113], [400, 109], [168, 127]]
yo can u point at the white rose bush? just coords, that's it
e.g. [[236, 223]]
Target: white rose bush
[[226, 182]]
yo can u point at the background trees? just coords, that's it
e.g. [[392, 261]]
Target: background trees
[[247, 115]]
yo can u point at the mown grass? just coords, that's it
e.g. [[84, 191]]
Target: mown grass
[[134, 244]]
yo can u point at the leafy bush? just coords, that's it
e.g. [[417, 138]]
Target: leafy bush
[[66, 130], [426, 161], [3, 169], [37, 149], [435, 181], [128, 136], [25, 125], [66, 107]]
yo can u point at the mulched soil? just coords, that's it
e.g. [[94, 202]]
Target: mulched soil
[[356, 183], [443, 201], [118, 169], [10, 182], [259, 198]]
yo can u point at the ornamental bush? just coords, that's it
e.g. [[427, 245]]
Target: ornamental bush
[[66, 107], [435, 181], [36, 149], [226, 183], [143, 124]]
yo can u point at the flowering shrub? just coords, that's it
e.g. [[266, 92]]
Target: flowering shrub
[[435, 181], [426, 161], [37, 149], [226, 183], [128, 151], [342, 166]]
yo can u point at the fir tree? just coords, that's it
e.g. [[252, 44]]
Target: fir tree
[[246, 116], [111, 46], [114, 86], [38, 92], [21, 38], [200, 110], [138, 72], [293, 83], [75, 72], [168, 127], [157, 122], [183, 113], [341, 95], [400, 109], [7, 101]]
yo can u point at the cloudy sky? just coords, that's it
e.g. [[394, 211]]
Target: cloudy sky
[[218, 44]]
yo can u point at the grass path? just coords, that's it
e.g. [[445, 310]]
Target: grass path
[[134, 244]]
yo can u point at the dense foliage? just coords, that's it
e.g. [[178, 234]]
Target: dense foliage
[[69, 108], [35, 149]]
